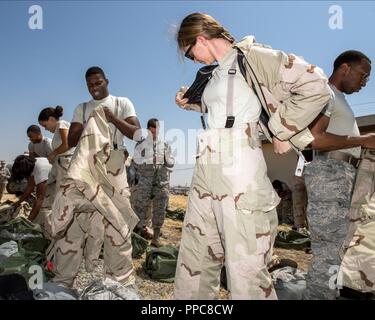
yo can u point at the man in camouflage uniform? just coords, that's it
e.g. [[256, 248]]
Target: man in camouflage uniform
[[94, 190], [358, 265], [92, 218], [330, 176], [231, 214], [154, 165]]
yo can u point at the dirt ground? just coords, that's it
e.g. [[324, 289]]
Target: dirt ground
[[153, 290]]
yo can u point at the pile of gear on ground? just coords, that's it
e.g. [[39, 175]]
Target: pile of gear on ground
[[24, 270]]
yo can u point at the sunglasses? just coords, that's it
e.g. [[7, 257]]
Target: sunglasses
[[364, 76], [187, 53]]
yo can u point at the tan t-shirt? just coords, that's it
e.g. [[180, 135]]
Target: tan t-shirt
[[342, 120]]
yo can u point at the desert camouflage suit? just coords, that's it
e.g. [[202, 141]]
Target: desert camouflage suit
[[154, 163], [358, 264], [231, 216], [58, 171], [94, 190], [94, 237], [44, 216], [94, 233]]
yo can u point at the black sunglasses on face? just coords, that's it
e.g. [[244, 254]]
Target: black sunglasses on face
[[187, 53]]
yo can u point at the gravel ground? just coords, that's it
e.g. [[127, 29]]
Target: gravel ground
[[149, 289]]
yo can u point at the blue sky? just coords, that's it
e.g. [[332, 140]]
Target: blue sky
[[133, 41]]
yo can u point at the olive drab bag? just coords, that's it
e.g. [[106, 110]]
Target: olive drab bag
[[161, 263], [139, 245]]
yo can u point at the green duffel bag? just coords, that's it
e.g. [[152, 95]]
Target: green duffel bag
[[21, 262], [20, 228], [292, 240], [178, 214], [161, 263], [31, 248], [139, 245], [31, 245]]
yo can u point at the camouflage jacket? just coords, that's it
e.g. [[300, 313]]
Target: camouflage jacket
[[99, 173], [295, 91]]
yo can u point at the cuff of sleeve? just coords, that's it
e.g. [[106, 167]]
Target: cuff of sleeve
[[278, 129], [302, 139]]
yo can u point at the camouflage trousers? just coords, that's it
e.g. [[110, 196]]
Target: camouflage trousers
[[329, 185], [230, 218], [61, 166], [358, 265], [57, 172], [299, 196], [152, 188], [95, 232], [70, 247], [44, 216]]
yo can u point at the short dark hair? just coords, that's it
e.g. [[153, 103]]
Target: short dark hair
[[349, 57], [23, 167], [51, 112], [33, 129], [94, 70], [152, 123]]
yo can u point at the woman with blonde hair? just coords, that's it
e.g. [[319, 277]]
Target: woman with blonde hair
[[231, 215]]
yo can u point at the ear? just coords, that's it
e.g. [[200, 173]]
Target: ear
[[107, 81], [345, 68], [202, 40]]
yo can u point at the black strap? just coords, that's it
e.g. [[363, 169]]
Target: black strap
[[230, 94], [203, 122], [264, 117], [83, 114], [115, 147], [229, 122]]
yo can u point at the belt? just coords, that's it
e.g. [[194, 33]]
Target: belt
[[368, 154], [338, 155]]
